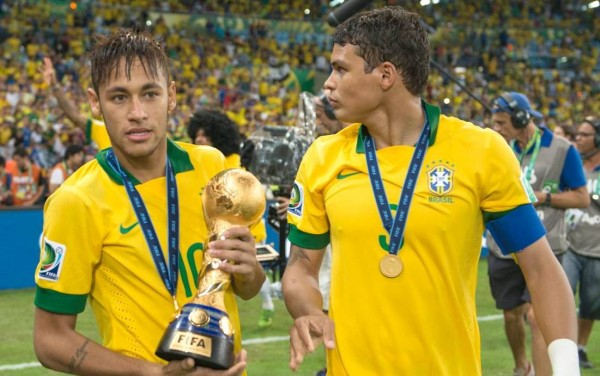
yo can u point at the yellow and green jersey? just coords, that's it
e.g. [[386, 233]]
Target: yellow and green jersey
[[96, 133], [93, 248], [422, 322]]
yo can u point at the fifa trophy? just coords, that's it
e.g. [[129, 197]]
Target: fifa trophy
[[202, 329]]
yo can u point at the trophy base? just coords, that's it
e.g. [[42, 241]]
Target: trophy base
[[198, 333]]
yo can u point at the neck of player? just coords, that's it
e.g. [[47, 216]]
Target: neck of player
[[145, 168], [396, 123]]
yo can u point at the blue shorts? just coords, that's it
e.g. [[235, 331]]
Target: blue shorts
[[585, 272]]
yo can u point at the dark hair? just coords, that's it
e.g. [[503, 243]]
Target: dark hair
[[21, 151], [130, 45], [569, 130], [389, 34], [222, 131], [72, 150], [2, 161]]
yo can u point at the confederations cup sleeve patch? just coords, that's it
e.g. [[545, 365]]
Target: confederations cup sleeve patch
[[296, 205], [52, 259]]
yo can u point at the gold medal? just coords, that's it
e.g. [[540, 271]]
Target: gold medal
[[390, 266]]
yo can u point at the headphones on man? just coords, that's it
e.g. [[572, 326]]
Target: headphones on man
[[518, 116], [596, 124]]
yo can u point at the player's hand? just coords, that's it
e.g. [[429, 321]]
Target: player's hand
[[187, 367], [306, 334], [237, 246], [282, 206], [48, 72]]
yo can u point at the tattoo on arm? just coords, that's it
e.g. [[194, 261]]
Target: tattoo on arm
[[78, 357], [297, 254]]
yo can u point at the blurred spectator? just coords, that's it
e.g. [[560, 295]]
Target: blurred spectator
[[214, 128], [566, 131], [6, 198], [27, 179], [73, 159]]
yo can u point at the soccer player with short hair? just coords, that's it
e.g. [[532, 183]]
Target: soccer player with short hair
[[403, 196], [126, 231]]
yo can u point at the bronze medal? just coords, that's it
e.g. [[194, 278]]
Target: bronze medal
[[390, 266]]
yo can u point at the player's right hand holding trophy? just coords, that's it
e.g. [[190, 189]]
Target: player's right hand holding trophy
[[202, 329]]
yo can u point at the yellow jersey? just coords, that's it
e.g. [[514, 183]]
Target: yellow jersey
[[422, 322], [93, 248]]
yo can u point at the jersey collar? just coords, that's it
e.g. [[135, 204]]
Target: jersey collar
[[433, 116], [180, 160]]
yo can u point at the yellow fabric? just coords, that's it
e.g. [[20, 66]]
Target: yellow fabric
[[422, 322], [98, 133], [107, 258]]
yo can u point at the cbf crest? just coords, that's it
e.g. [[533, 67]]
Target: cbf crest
[[440, 177]]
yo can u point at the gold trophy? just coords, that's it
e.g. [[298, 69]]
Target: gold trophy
[[202, 329]]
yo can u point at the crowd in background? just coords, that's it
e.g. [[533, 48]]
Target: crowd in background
[[548, 49]]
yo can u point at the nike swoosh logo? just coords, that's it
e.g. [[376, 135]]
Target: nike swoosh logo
[[341, 176], [125, 230]]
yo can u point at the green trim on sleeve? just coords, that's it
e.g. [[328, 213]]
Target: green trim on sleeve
[[306, 240], [58, 302], [88, 131], [491, 216]]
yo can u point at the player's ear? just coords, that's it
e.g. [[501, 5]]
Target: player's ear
[[94, 103], [172, 96], [389, 75]]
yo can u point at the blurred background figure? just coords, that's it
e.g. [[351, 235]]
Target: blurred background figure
[[554, 171], [27, 179], [73, 159], [566, 131], [582, 260], [6, 198], [214, 128]]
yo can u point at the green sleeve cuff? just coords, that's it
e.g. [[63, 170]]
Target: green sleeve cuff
[[57, 302], [491, 216], [88, 131], [306, 240]]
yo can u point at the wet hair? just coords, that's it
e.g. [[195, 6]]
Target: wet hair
[[389, 34], [222, 131], [130, 45]]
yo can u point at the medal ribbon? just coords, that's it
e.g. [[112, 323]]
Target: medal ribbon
[[536, 142], [396, 226], [168, 275]]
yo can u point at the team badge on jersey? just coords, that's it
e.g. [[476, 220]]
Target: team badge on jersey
[[440, 179], [52, 260], [296, 200]]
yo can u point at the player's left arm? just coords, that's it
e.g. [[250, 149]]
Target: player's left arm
[[553, 304], [573, 182], [238, 247]]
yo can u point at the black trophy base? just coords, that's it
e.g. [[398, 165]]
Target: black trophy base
[[197, 333], [221, 355]]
